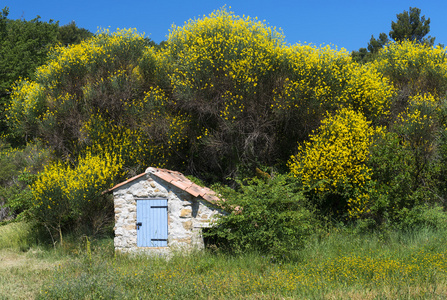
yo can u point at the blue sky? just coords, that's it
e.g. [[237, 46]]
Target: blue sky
[[346, 24]]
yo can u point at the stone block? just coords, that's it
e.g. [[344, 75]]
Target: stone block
[[119, 230], [141, 194], [186, 213], [184, 240], [187, 225], [129, 227]]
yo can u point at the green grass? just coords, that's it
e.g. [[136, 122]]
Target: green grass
[[15, 235], [335, 265]]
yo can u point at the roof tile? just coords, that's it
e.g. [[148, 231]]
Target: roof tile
[[183, 183], [177, 179]]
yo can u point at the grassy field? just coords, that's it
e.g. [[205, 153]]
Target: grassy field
[[336, 265]]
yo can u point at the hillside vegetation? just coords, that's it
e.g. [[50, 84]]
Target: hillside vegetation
[[225, 99], [333, 165]]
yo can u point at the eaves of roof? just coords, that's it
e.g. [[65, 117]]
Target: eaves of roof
[[178, 180]]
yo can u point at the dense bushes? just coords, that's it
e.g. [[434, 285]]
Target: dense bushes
[[333, 162], [414, 67], [97, 76], [71, 198], [408, 161], [225, 95], [18, 169], [251, 96], [268, 215], [402, 166]]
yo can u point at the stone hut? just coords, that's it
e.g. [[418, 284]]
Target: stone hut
[[160, 211]]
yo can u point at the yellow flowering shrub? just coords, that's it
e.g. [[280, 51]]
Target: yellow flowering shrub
[[221, 63], [104, 52], [335, 156], [27, 104], [310, 82], [253, 96], [220, 69], [225, 93], [133, 146], [417, 120], [324, 78], [99, 74], [414, 67], [65, 196], [418, 126], [368, 91]]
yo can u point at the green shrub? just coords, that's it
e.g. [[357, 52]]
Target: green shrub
[[408, 161], [265, 215], [421, 216], [18, 169]]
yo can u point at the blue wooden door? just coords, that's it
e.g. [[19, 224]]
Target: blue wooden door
[[152, 223]]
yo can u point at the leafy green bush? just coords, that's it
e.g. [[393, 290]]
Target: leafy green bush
[[421, 216], [265, 215], [408, 161], [18, 169]]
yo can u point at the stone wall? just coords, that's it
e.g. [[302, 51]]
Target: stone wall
[[187, 215]]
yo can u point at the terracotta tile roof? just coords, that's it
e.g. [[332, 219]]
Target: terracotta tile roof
[[177, 179]]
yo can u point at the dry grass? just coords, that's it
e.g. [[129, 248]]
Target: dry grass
[[22, 274]]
